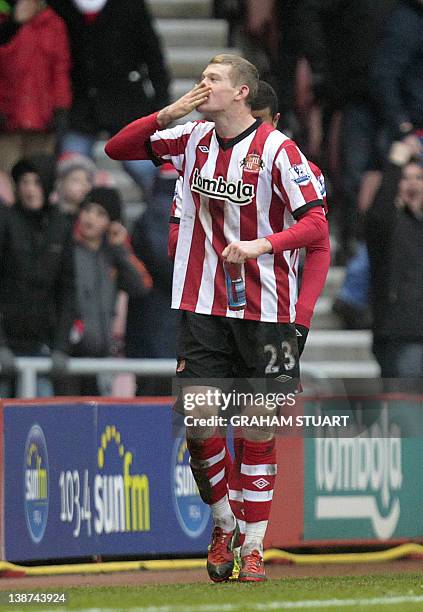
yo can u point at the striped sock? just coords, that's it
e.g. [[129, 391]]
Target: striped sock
[[207, 461], [258, 474]]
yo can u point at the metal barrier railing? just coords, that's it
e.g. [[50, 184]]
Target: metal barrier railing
[[28, 368]]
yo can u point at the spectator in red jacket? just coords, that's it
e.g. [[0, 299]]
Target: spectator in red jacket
[[35, 86]]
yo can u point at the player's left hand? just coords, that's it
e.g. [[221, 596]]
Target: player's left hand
[[240, 250]]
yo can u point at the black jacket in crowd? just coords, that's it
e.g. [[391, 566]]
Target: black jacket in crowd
[[398, 70], [395, 243], [339, 38], [116, 58], [36, 279]]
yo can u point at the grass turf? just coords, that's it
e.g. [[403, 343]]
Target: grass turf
[[235, 596]]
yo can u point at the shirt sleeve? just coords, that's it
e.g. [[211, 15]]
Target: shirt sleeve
[[130, 142], [169, 145], [316, 266], [294, 182], [143, 139], [310, 229]]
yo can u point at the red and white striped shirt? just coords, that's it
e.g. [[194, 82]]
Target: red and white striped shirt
[[241, 189]]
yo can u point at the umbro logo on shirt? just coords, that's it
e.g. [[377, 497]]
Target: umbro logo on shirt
[[239, 193], [203, 149]]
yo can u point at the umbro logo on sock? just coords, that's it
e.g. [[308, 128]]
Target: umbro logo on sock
[[261, 483]]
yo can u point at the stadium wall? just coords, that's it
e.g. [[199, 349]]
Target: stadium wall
[[87, 478]]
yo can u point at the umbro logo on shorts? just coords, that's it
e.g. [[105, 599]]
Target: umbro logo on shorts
[[283, 378]]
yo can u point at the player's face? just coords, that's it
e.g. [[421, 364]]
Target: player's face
[[266, 116], [30, 191], [411, 187], [223, 91]]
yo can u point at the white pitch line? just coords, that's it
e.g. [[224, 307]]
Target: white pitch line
[[271, 605]]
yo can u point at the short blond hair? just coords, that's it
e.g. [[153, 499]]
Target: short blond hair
[[243, 72]]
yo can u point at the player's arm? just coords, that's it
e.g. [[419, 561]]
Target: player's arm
[[133, 141], [316, 267], [311, 228]]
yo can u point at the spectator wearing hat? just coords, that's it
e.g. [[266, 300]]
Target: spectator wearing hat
[[35, 83], [36, 277], [104, 264], [75, 178]]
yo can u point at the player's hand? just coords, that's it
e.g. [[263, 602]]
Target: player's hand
[[241, 250], [117, 234], [196, 96], [302, 333], [25, 10]]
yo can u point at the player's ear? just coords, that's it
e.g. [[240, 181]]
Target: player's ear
[[243, 92], [276, 119]]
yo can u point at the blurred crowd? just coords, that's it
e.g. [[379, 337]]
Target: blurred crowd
[[75, 282]]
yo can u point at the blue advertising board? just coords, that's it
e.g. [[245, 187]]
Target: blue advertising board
[[84, 479]]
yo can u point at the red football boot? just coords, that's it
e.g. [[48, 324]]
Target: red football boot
[[252, 569], [220, 558]]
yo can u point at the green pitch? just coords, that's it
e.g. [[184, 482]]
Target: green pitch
[[387, 592]]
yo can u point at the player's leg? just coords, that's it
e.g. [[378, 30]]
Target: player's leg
[[258, 474], [203, 357], [276, 354]]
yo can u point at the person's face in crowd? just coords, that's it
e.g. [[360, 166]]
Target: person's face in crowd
[[94, 221], [30, 191], [75, 187], [265, 114], [411, 187], [223, 90]]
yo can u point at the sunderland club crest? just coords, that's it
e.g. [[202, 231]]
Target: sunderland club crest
[[252, 162]]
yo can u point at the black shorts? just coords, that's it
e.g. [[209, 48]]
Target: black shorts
[[211, 347], [235, 355]]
